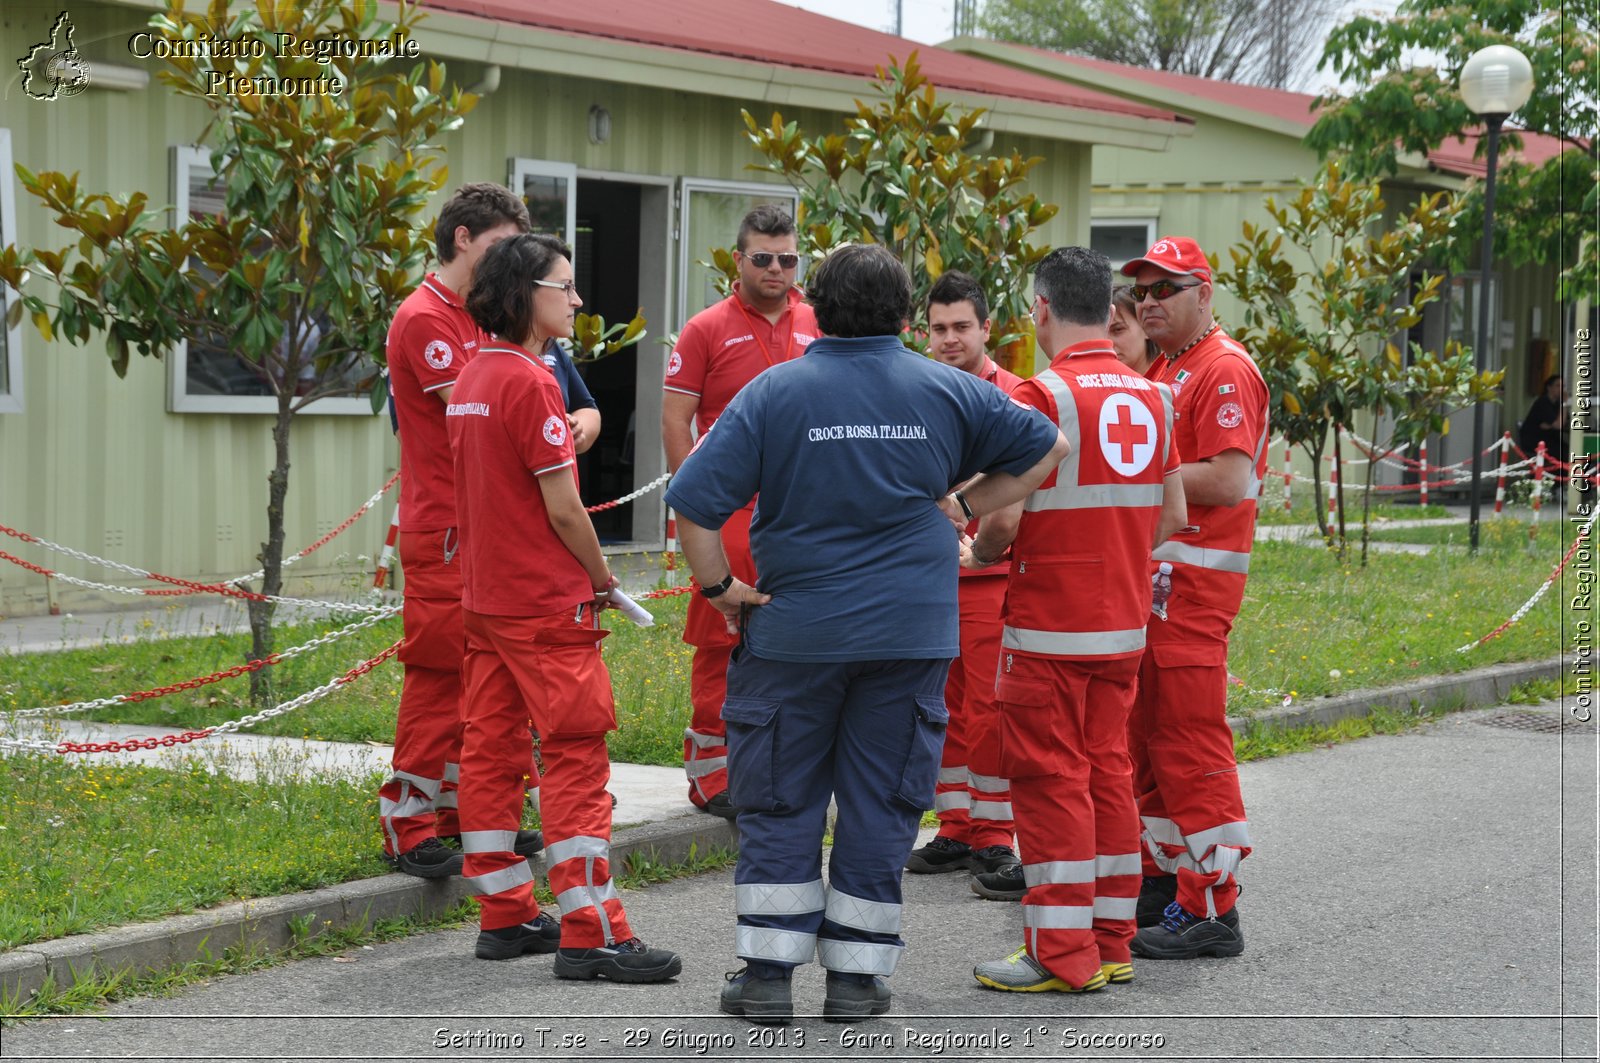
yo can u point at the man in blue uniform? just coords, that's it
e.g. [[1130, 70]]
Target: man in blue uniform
[[837, 687]]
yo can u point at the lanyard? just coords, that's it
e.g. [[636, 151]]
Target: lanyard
[[788, 351]]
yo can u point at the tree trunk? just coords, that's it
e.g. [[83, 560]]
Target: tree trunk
[[1338, 467], [271, 557], [1366, 498], [1318, 510]]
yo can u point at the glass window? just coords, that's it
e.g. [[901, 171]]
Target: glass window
[[712, 211], [1122, 239]]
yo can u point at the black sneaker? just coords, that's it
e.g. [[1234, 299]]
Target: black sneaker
[[528, 843], [626, 961], [719, 805], [992, 858], [1182, 935], [1155, 893], [938, 856], [431, 859], [1007, 884], [850, 1000], [541, 935], [764, 1001]]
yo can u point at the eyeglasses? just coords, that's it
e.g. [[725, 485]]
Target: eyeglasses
[[567, 286], [1160, 289], [763, 259]]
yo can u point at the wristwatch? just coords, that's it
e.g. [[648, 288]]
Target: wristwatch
[[717, 590]]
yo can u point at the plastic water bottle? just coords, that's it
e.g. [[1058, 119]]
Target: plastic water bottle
[[1161, 590]]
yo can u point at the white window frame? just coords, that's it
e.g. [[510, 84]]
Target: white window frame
[[185, 160], [519, 169], [1106, 219], [11, 397], [689, 185]]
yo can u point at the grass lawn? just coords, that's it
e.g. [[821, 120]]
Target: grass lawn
[[1497, 536], [91, 843]]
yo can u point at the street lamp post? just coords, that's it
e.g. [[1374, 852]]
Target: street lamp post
[[1494, 82]]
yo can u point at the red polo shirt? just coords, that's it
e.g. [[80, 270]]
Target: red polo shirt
[[431, 338], [1007, 382], [727, 345], [508, 426]]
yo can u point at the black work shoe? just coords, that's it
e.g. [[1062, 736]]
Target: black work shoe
[[1182, 935], [938, 856], [721, 806], [764, 1001], [626, 961], [1155, 893], [992, 858], [849, 1000], [528, 843], [505, 943], [1007, 884], [431, 859]]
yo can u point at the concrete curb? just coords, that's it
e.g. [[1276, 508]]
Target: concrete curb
[[271, 924]]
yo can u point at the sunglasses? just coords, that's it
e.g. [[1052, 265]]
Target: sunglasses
[[1160, 289], [567, 286], [763, 259]]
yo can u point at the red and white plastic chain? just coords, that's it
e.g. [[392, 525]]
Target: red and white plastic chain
[[205, 680], [625, 499], [326, 539], [1583, 533]]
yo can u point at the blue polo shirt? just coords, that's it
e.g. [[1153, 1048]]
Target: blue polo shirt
[[850, 449], [574, 393]]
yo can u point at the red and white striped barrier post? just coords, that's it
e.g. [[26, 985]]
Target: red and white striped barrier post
[[1333, 488], [672, 541], [386, 558], [1422, 469], [1538, 485], [1288, 476], [1500, 479]]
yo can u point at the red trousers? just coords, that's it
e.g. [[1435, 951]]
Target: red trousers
[[972, 798], [705, 740], [1063, 727], [1182, 749], [547, 670], [418, 800]]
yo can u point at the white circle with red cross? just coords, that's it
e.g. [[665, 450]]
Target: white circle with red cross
[[1127, 434], [555, 431], [439, 354]]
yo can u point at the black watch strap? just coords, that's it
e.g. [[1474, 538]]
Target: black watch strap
[[717, 590]]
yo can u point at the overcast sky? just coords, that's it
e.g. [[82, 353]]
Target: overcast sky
[[931, 21]]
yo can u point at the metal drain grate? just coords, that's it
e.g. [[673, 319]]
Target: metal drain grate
[[1549, 723]]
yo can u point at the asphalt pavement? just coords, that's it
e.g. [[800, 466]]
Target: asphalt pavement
[[1430, 895]]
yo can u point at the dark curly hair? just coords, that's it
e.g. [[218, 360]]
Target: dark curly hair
[[479, 206], [860, 290], [501, 298]]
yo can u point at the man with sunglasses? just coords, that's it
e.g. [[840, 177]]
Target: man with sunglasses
[[1195, 832], [720, 350]]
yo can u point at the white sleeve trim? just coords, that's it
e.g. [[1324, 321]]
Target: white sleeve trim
[[553, 468], [681, 391]]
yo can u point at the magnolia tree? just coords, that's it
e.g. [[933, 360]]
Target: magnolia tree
[[904, 174], [1319, 314], [300, 273]]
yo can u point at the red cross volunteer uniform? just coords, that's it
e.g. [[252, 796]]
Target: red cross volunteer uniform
[[532, 654], [1075, 612], [719, 351]]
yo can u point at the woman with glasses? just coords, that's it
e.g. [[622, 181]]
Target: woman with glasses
[[1134, 349], [535, 582]]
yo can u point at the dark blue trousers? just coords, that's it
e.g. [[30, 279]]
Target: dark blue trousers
[[866, 734]]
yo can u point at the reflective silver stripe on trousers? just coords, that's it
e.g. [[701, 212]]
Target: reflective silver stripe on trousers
[[578, 845], [858, 913], [488, 841], [409, 805], [778, 898], [696, 768], [1202, 557], [1115, 907], [452, 772], [1072, 643], [507, 878], [421, 782], [704, 741], [952, 800], [1120, 864], [1058, 916], [858, 957], [989, 784], [997, 810], [1095, 496], [1235, 833], [773, 945], [1058, 873], [448, 799], [956, 775], [578, 897], [1162, 830]]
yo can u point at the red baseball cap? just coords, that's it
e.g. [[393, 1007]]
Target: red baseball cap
[[1175, 254]]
